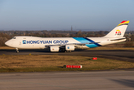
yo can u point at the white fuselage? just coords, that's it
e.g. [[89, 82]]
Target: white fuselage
[[29, 42]]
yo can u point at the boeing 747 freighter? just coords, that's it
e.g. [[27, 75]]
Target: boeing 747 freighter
[[68, 43]]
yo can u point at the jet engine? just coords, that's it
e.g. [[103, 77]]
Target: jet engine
[[54, 48], [69, 47]]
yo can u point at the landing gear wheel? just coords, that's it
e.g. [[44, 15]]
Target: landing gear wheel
[[17, 50]]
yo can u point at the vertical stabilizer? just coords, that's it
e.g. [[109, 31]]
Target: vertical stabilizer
[[119, 30]]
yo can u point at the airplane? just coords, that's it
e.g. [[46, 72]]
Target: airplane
[[57, 44]]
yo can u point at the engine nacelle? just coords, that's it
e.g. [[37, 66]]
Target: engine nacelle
[[69, 47], [54, 48]]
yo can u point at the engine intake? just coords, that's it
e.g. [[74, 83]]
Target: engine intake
[[69, 47], [54, 48]]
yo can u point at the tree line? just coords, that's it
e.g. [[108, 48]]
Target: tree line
[[6, 35]]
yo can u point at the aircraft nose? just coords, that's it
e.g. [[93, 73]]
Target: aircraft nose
[[7, 43]]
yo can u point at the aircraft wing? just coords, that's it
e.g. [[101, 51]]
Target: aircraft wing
[[72, 44]]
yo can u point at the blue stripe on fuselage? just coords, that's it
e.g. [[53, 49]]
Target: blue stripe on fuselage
[[86, 40], [92, 41]]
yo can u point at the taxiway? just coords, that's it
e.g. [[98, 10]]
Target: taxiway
[[96, 80], [124, 55]]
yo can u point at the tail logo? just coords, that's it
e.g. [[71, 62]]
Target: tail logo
[[118, 32]]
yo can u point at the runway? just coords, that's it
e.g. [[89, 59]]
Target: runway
[[98, 80], [124, 55]]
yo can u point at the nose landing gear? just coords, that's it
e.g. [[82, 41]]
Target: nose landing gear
[[17, 50]]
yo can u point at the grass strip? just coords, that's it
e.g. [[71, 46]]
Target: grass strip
[[42, 63]]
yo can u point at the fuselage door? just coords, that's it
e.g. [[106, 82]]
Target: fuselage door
[[20, 43]]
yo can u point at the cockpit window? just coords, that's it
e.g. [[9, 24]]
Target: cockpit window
[[14, 38]]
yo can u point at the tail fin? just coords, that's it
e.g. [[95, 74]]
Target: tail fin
[[119, 30]]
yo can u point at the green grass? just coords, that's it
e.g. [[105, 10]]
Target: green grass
[[42, 63]]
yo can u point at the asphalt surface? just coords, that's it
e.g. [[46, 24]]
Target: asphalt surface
[[98, 80], [124, 55]]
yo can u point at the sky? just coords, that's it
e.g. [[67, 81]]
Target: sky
[[62, 14]]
